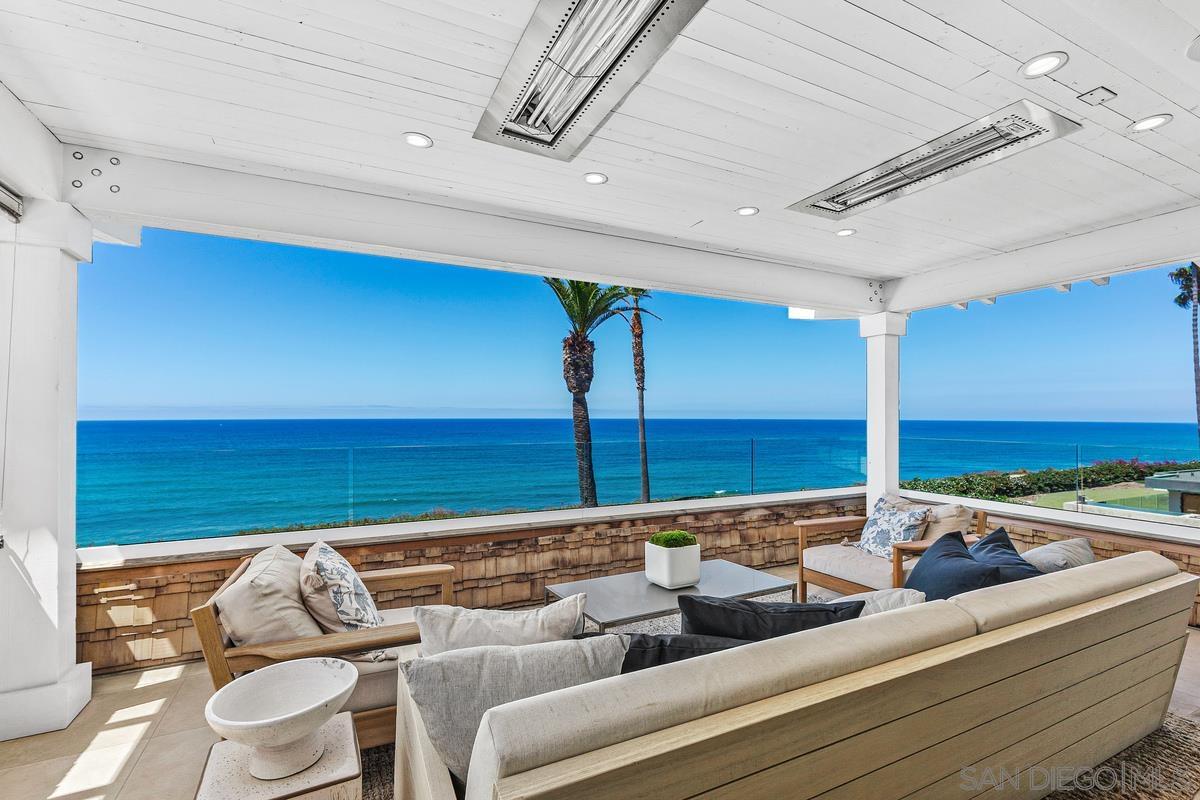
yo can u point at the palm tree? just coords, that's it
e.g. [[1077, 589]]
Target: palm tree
[[636, 298], [1188, 280], [587, 306]]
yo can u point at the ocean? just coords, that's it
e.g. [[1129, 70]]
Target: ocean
[[143, 481]]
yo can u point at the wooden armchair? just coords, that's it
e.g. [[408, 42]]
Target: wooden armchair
[[858, 573], [375, 726]]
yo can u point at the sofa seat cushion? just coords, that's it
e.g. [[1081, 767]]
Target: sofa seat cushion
[[376, 686], [529, 733], [853, 564], [1010, 603]]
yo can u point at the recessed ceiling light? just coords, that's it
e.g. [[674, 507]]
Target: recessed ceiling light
[[595, 177], [1150, 123], [747, 211], [414, 139], [846, 232], [1040, 66]]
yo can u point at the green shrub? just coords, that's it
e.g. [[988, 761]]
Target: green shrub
[[1005, 486], [673, 539]]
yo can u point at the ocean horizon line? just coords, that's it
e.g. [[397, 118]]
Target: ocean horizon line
[[502, 418]]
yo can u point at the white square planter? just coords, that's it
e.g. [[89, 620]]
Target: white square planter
[[673, 567]]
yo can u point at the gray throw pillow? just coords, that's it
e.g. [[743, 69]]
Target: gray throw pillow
[[885, 600], [444, 628], [1058, 556], [454, 690]]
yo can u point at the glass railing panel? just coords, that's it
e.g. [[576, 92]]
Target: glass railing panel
[[170, 494], [1149, 483], [791, 464]]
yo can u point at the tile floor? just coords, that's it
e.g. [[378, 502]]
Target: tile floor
[[143, 737]]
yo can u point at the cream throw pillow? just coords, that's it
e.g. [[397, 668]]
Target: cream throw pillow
[[334, 594], [445, 628], [264, 604], [885, 600], [942, 519]]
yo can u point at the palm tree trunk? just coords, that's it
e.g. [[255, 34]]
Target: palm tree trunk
[[642, 446], [1196, 340], [583, 449], [639, 377]]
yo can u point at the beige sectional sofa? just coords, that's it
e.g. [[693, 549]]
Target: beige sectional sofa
[[930, 701]]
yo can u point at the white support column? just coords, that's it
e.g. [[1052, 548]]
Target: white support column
[[882, 332], [41, 686]]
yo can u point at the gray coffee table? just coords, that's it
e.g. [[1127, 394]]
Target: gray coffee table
[[629, 597]]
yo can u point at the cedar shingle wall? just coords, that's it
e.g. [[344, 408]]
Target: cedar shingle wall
[[137, 617]]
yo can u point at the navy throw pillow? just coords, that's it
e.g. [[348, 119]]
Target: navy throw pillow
[[996, 548], [753, 621], [653, 650], [947, 568]]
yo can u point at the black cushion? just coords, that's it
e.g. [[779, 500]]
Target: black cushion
[[947, 568], [652, 650], [996, 548], [754, 621]]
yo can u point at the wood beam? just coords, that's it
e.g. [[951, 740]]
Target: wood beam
[[29, 154], [1164, 239], [140, 190]]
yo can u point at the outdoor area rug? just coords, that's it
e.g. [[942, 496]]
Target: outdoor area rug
[[1163, 766]]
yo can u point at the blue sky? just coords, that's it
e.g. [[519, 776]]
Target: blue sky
[[191, 326]]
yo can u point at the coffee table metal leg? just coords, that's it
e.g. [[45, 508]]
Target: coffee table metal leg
[[794, 589]]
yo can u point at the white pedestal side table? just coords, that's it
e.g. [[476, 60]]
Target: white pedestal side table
[[336, 776]]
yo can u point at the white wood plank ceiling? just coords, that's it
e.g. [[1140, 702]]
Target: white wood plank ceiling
[[758, 102]]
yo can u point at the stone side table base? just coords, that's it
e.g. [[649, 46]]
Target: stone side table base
[[337, 775]]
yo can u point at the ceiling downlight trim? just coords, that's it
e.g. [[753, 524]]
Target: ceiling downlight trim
[[1001, 134], [649, 27]]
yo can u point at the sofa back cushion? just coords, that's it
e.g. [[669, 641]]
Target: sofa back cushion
[[454, 689], [529, 733], [445, 628], [1000, 606]]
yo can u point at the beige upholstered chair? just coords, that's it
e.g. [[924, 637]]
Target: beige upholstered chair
[[373, 702], [851, 570]]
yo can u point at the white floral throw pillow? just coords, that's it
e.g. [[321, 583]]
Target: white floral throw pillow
[[889, 524], [333, 592]]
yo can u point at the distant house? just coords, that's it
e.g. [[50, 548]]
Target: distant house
[[1183, 489]]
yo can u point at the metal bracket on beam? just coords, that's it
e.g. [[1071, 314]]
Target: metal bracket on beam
[[11, 203], [86, 170]]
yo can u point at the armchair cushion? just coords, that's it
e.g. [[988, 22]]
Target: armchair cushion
[[377, 679], [852, 564], [264, 604], [334, 594], [446, 628]]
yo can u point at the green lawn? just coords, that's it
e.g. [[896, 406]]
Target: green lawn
[[1134, 495]]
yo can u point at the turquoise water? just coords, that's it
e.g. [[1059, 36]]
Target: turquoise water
[[145, 481]]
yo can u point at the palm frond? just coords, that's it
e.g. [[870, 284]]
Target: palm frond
[[1184, 278], [588, 305]]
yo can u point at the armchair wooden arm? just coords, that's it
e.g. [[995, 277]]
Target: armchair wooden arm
[[257, 656], [852, 525]]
